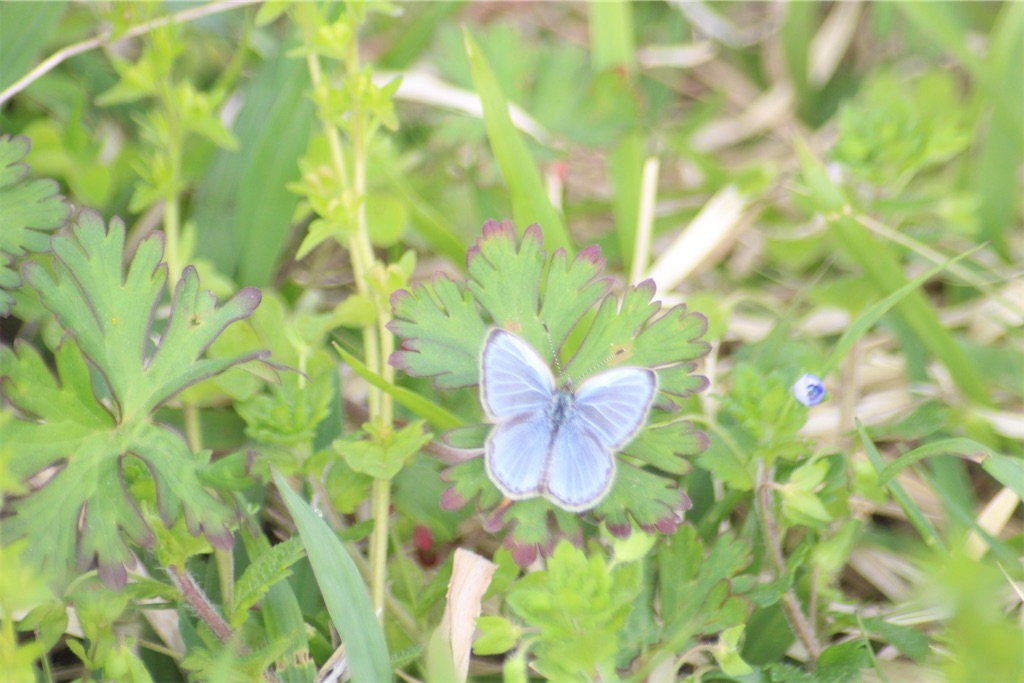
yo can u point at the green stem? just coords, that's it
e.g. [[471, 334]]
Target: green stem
[[193, 427], [803, 629], [226, 572], [201, 605], [377, 340]]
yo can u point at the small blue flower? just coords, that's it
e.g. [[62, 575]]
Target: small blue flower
[[809, 390]]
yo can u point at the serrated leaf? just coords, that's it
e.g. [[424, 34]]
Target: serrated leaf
[[267, 569], [513, 285], [653, 501], [497, 635], [843, 662], [104, 453], [579, 605], [110, 314], [442, 333], [517, 288], [31, 210], [291, 413], [383, 454], [696, 596], [661, 445]]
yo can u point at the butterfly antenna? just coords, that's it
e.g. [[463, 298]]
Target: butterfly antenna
[[595, 366], [551, 345]]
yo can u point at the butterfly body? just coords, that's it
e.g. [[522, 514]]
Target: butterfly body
[[556, 442]]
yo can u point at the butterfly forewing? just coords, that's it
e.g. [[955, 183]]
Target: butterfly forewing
[[514, 379], [613, 404]]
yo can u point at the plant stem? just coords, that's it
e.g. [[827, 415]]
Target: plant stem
[[377, 340], [202, 606], [790, 605]]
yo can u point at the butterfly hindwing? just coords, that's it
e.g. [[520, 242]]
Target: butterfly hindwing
[[580, 470], [517, 454]]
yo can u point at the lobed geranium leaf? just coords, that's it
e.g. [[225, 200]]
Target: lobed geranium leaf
[[106, 457], [442, 333], [513, 285], [497, 259], [649, 499], [517, 288], [696, 597], [110, 314], [661, 445], [31, 210]]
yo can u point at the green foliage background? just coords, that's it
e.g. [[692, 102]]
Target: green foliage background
[[217, 231]]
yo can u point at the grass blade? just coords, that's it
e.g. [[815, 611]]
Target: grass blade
[[880, 308], [913, 512], [530, 202], [343, 590], [965, 448], [438, 417]]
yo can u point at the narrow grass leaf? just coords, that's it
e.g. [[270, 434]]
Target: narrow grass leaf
[[530, 202], [964, 448], [611, 34], [913, 512], [343, 590], [1007, 471], [875, 312], [438, 417]]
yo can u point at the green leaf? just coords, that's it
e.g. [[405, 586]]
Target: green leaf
[[695, 594], [282, 619], [497, 635], [803, 507], [844, 662], [26, 30], [443, 333], [243, 207], [108, 453], [727, 652], [661, 445], [32, 209], [109, 314], [579, 605], [443, 328], [543, 301], [343, 590], [436, 415], [530, 202], [509, 282], [1007, 471], [290, 415], [384, 453], [267, 569], [965, 448], [913, 512], [867, 319]]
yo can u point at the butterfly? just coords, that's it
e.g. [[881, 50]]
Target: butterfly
[[553, 441]]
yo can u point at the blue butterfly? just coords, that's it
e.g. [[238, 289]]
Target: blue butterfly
[[555, 442]]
